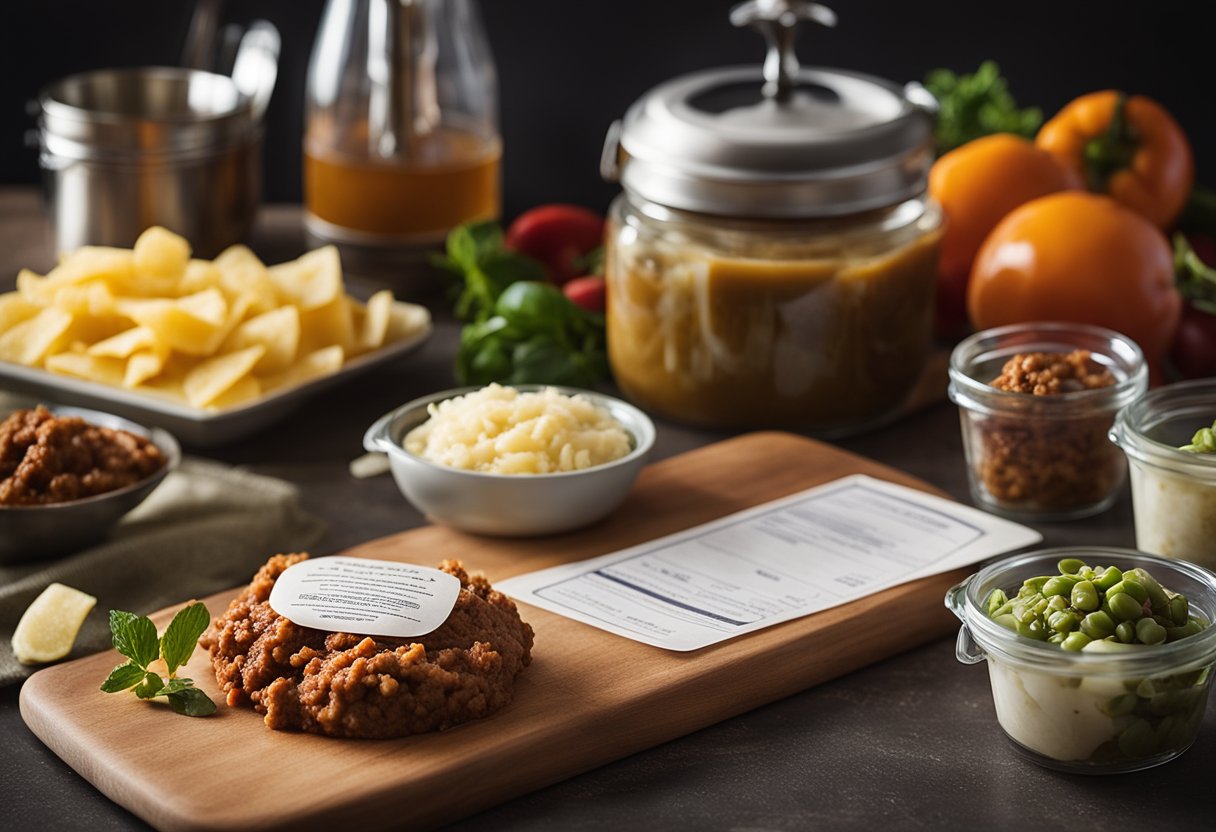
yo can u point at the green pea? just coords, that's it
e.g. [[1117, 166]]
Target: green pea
[[1131, 587], [1036, 584], [1178, 610], [1060, 585], [1004, 608], [1123, 607], [1121, 705], [1070, 566], [1075, 641], [995, 601], [1062, 621], [1156, 595], [1138, 739], [1109, 578], [1098, 625], [1190, 628], [1149, 631], [1035, 629], [1085, 596], [1125, 631], [1007, 621]]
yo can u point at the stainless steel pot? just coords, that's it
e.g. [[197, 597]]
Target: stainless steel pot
[[124, 149]]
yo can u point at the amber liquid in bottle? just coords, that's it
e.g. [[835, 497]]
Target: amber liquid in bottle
[[446, 177]]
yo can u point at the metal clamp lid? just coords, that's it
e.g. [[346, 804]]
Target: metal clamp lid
[[782, 141]]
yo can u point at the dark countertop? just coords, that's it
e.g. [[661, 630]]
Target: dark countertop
[[910, 742]]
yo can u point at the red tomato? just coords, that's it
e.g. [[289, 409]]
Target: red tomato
[[558, 236], [1194, 351], [588, 292]]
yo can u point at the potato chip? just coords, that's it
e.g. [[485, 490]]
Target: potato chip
[[311, 282], [242, 273], [322, 362], [326, 326], [199, 276], [126, 343], [211, 378], [144, 365], [14, 309], [194, 325], [161, 253], [277, 330], [114, 266], [29, 341], [243, 392], [87, 367], [48, 627], [407, 320]]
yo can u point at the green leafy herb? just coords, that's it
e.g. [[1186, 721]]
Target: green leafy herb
[[1196, 280], [522, 329], [977, 105], [134, 636]]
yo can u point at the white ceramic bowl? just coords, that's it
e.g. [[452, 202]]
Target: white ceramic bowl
[[511, 505]]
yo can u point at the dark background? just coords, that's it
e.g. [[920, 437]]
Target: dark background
[[567, 68]]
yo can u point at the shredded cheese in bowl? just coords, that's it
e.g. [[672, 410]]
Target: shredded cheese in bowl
[[500, 430]]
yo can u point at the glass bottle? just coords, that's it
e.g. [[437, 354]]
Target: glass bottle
[[401, 138]]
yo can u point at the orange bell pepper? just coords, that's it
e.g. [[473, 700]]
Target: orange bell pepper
[[1129, 148]]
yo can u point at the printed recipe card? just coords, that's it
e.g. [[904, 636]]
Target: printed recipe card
[[808, 552]]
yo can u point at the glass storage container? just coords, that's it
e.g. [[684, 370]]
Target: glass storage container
[[1045, 457], [1125, 708], [772, 259], [401, 137], [1173, 491]]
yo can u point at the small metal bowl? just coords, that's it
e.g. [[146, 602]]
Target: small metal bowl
[[36, 532], [511, 505]]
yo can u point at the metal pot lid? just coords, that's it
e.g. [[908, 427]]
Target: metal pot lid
[[777, 141]]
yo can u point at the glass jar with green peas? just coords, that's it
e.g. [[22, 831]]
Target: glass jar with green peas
[[1100, 659]]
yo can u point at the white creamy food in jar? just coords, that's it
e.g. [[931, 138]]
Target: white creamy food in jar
[[1057, 716], [1175, 515]]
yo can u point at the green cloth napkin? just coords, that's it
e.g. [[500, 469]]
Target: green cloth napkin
[[207, 527]]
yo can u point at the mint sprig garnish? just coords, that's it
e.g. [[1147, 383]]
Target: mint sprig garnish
[[134, 636]]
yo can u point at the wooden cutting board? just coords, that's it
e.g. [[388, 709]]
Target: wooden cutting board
[[589, 697]]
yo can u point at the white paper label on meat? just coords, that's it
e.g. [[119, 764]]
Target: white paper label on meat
[[366, 597]]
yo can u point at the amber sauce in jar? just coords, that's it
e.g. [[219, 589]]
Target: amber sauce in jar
[[448, 177], [821, 324]]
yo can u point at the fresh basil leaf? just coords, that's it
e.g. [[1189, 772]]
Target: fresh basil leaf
[[181, 636], [535, 307], [467, 244], [135, 637], [175, 685], [540, 360], [191, 702], [122, 677], [151, 686], [505, 268]]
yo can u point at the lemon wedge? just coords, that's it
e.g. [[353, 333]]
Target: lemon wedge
[[47, 630]]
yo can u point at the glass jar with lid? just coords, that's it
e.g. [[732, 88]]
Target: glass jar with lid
[[772, 258]]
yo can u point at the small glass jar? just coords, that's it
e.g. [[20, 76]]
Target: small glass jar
[[772, 260], [1173, 491], [819, 323], [1043, 457], [1126, 709]]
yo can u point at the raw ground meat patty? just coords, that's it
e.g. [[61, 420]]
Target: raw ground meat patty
[[344, 685]]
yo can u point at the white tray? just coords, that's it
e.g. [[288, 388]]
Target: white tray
[[191, 425]]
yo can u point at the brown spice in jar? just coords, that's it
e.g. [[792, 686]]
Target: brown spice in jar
[[52, 459], [1048, 463], [347, 685]]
